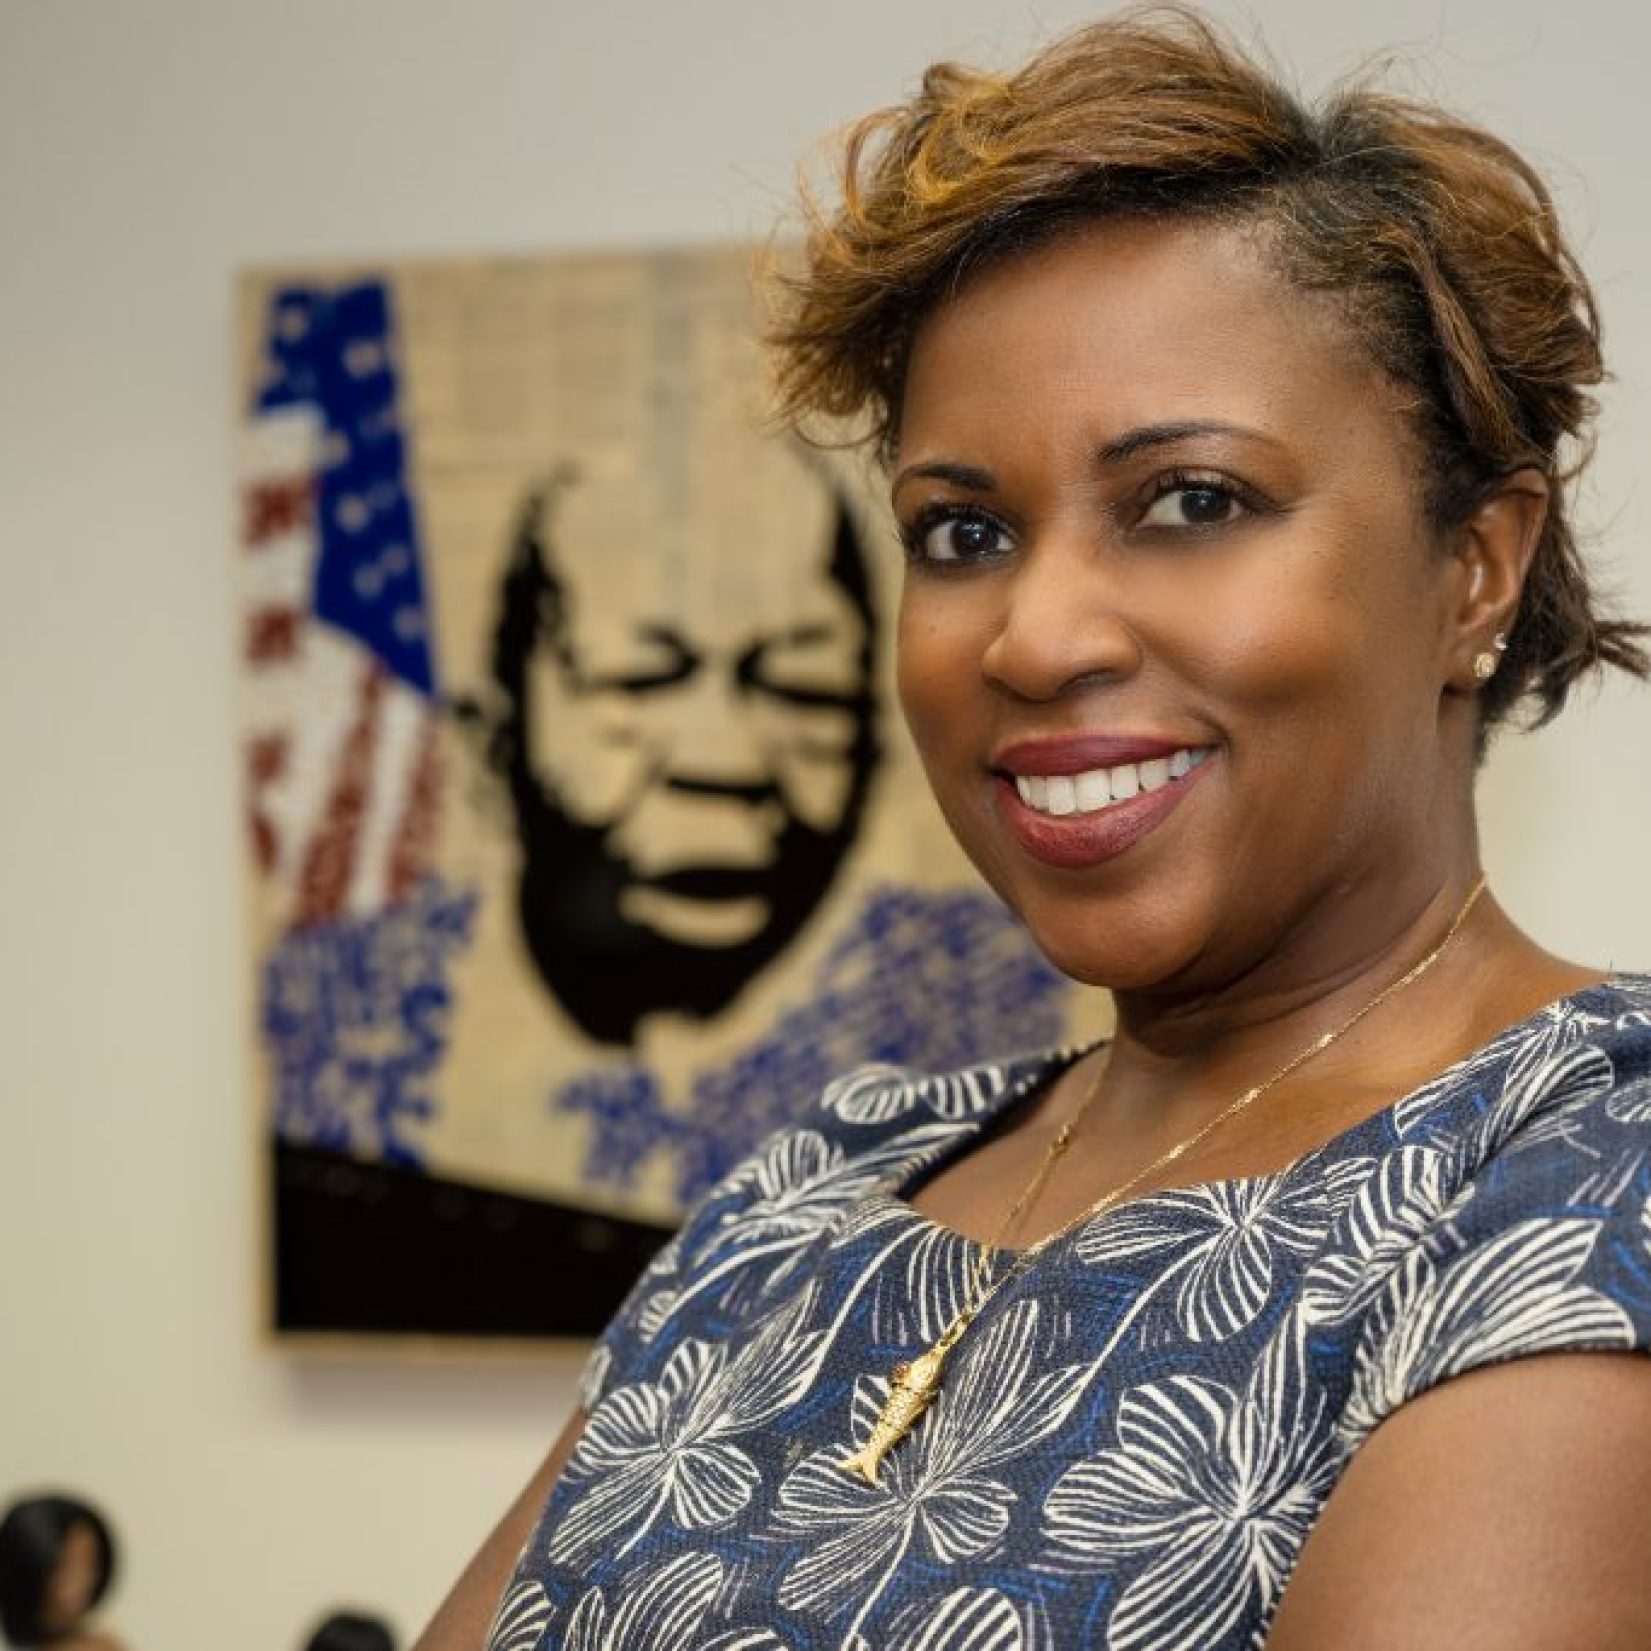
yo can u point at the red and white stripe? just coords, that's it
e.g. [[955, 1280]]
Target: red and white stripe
[[341, 756]]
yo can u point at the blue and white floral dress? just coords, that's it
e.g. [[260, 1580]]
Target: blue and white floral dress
[[1135, 1438]]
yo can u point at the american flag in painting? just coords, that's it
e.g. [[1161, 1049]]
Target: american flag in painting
[[340, 660], [343, 760]]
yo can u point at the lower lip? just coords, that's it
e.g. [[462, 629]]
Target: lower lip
[[1074, 841]]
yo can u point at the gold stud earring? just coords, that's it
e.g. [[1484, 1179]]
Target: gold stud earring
[[1485, 664]]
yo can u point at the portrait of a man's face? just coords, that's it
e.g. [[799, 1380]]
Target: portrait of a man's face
[[585, 849], [688, 724]]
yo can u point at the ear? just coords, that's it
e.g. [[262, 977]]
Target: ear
[[1493, 549]]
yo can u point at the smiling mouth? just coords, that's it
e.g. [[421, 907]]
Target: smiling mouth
[[1099, 788]]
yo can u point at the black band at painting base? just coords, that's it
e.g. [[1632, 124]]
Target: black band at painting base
[[363, 1249]]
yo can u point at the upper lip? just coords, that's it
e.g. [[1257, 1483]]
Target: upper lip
[[1079, 753]]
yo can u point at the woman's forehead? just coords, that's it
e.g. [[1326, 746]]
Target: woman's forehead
[[1139, 321]]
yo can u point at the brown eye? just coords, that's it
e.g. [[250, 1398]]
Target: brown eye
[[957, 535], [1193, 504]]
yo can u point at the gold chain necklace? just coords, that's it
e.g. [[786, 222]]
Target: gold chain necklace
[[914, 1383]]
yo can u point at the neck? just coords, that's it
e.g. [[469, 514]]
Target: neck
[[1310, 980]]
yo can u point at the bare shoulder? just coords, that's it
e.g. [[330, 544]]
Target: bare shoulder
[[1504, 1508]]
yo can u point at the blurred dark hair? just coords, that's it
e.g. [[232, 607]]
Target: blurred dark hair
[[350, 1631], [31, 1542]]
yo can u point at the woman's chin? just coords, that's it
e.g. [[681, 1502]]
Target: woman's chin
[[1119, 964]]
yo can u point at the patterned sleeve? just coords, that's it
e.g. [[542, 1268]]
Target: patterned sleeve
[[1547, 1249]]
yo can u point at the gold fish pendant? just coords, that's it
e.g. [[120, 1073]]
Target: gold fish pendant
[[912, 1389]]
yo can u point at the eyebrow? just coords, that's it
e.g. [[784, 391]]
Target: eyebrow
[[967, 476], [1131, 444], [1134, 442]]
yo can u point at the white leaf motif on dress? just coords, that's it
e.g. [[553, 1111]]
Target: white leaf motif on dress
[[1560, 1028], [1631, 1104], [879, 1094], [1218, 1487], [1511, 1296], [662, 1612], [967, 1619], [924, 1296], [796, 1190], [1551, 1071], [1548, 1103], [668, 1450], [936, 1499], [1225, 1243], [523, 1616], [1408, 1194]]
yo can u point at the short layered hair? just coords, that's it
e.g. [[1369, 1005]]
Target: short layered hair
[[1437, 243]]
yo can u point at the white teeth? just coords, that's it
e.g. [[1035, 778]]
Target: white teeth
[[1096, 788], [1034, 791]]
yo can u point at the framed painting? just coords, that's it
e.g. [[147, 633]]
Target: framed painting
[[584, 843]]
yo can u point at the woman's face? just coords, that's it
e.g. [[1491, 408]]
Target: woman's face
[[1175, 635], [73, 1583]]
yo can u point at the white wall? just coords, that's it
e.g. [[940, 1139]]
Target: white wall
[[147, 149]]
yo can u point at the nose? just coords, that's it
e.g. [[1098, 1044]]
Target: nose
[[1063, 620], [715, 748]]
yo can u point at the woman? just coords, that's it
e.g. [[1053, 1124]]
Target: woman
[[1228, 443], [57, 1560], [351, 1631]]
